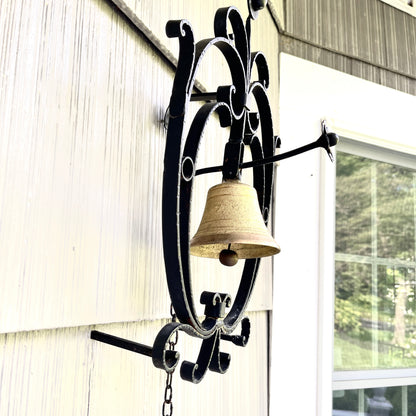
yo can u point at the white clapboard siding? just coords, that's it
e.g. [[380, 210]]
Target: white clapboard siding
[[62, 372], [154, 15], [81, 160], [82, 96]]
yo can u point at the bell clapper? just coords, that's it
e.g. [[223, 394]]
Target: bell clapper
[[228, 257]]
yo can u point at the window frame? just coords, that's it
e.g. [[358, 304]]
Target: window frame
[[361, 379], [304, 218]]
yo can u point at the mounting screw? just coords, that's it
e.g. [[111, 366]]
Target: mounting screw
[[254, 6], [165, 120], [257, 5], [278, 142]]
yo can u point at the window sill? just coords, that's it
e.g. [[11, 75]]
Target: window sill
[[364, 379]]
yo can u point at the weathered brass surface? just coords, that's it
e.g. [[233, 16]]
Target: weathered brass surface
[[232, 221]]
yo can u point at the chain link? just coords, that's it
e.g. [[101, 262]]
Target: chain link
[[167, 407]]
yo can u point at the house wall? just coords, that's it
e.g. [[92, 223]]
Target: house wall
[[84, 86], [371, 41], [303, 308], [84, 89], [365, 38]]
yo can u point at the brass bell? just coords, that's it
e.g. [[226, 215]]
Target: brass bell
[[232, 226]]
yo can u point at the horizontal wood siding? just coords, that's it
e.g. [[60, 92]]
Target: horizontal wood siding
[[348, 65], [82, 97], [400, 33], [81, 161], [62, 372], [365, 38]]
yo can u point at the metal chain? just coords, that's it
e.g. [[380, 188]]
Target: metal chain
[[167, 407]]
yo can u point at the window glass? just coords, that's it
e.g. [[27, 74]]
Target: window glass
[[381, 401], [375, 302], [353, 205], [395, 212]]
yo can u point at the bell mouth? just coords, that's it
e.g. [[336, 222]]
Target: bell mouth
[[245, 249]]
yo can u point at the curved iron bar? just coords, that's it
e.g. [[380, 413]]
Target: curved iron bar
[[210, 357], [175, 281], [232, 15], [231, 106], [242, 339], [258, 90], [173, 158], [258, 59], [238, 76], [259, 178]]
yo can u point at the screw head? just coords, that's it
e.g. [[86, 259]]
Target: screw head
[[258, 4], [254, 6]]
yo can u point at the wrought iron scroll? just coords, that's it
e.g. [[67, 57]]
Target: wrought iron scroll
[[246, 127]]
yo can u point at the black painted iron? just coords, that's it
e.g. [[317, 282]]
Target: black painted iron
[[326, 141], [253, 129]]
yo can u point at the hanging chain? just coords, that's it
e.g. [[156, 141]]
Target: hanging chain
[[167, 407]]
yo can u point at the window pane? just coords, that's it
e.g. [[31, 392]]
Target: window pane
[[375, 302], [411, 399], [374, 329], [345, 402], [353, 205], [381, 401], [353, 317], [395, 212]]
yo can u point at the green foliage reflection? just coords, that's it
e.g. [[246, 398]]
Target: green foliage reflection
[[375, 306]]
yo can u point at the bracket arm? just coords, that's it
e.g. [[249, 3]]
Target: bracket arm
[[122, 343]]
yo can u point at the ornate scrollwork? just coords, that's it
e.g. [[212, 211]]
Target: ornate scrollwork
[[246, 128], [252, 128], [209, 356]]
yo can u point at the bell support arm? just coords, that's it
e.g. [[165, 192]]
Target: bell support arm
[[326, 141], [230, 103]]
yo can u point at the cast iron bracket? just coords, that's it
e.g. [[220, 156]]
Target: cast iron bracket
[[245, 128]]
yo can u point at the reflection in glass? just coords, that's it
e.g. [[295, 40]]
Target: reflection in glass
[[353, 205], [380, 401], [375, 302], [395, 212]]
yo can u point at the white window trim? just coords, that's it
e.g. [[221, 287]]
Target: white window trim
[[360, 379], [305, 220], [401, 153], [356, 143], [347, 380]]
